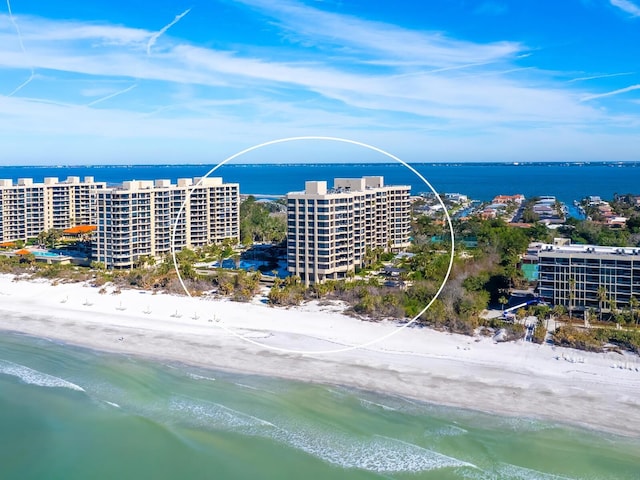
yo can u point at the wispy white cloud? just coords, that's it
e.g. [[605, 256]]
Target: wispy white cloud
[[24, 52], [384, 40], [614, 92], [95, 91], [154, 38], [40, 29], [111, 95], [430, 92], [596, 77], [353, 75], [23, 84], [627, 6]]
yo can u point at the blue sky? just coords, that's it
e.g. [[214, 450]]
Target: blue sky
[[194, 81]]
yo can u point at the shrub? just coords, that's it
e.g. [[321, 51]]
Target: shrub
[[569, 336], [539, 332], [627, 339]]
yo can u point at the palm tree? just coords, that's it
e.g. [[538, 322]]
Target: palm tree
[[633, 306], [503, 301], [557, 312], [603, 296], [42, 238], [543, 311], [613, 305], [572, 295]]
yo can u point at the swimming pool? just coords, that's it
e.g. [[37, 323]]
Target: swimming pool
[[39, 253]]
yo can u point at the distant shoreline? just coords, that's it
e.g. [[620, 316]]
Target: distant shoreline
[[577, 163], [489, 179], [519, 379]]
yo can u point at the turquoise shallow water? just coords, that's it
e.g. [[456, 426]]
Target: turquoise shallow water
[[70, 413]]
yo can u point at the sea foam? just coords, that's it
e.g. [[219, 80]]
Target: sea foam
[[378, 454], [215, 415], [374, 453], [369, 404], [521, 473], [194, 376], [34, 377]]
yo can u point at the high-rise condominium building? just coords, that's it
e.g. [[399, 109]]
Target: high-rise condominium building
[[28, 208], [588, 276], [139, 218], [330, 230]]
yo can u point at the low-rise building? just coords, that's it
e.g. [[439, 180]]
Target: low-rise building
[[587, 276], [456, 197], [506, 199]]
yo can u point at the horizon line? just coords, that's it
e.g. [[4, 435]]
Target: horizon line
[[355, 164]]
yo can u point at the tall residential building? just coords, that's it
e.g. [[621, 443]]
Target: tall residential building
[[578, 276], [330, 230], [28, 208], [138, 218]]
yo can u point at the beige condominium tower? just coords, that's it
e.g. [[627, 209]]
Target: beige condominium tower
[[330, 230], [28, 208], [138, 218]]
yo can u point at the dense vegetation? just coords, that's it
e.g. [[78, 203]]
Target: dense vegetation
[[596, 339], [479, 276], [149, 275], [474, 281], [594, 233], [261, 222]]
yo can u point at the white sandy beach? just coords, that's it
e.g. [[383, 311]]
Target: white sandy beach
[[601, 391]]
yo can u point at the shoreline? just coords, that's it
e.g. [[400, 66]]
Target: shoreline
[[595, 391]]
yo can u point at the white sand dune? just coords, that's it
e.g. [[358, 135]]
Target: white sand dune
[[601, 391]]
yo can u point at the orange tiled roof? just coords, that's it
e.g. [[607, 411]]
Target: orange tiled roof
[[23, 251], [77, 230]]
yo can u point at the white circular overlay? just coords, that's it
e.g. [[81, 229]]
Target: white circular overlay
[[331, 139]]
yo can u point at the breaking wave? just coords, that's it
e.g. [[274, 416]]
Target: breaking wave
[[34, 377]]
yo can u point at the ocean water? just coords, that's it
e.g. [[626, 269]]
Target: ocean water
[[481, 181], [71, 413]]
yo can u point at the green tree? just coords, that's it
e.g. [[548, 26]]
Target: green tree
[[258, 223], [633, 224], [572, 295], [542, 311], [557, 312], [98, 266], [503, 301], [186, 259], [29, 259], [539, 232], [539, 332], [529, 216], [633, 307], [49, 238], [603, 296]]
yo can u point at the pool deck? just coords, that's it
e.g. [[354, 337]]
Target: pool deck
[[46, 256]]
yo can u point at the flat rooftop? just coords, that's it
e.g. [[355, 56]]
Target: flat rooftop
[[586, 249]]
